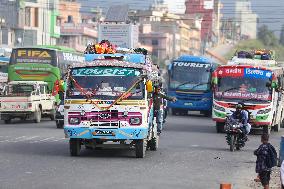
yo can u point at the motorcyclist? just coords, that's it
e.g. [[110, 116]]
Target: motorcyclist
[[242, 116], [158, 97]]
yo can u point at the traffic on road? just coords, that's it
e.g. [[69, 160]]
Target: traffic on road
[[111, 105]]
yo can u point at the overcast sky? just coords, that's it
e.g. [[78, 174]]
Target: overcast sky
[[271, 12]]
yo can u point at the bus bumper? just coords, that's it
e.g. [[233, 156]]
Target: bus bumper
[[191, 105], [106, 134]]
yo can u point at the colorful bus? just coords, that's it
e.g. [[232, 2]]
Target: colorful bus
[[257, 84], [42, 63], [190, 82]]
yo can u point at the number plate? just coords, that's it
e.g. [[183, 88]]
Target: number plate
[[188, 104], [103, 132]]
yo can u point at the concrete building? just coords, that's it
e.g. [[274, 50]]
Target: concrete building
[[246, 19], [75, 33], [205, 10], [154, 23], [30, 22], [174, 6]]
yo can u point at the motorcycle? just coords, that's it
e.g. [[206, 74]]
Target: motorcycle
[[234, 133]]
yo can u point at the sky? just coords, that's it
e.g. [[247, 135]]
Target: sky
[[270, 12]]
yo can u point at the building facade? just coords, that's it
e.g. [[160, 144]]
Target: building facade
[[30, 22], [76, 31], [205, 10], [246, 19], [174, 6]]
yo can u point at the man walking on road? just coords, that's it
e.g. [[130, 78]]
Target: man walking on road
[[266, 159], [158, 106]]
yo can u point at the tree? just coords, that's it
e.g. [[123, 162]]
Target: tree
[[267, 37], [282, 36]]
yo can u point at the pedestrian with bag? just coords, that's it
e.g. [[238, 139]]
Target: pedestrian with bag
[[266, 159]]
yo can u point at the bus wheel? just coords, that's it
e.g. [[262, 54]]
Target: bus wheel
[[7, 121], [154, 143], [174, 112], [206, 113], [276, 127], [140, 148], [266, 129], [220, 127], [75, 146]]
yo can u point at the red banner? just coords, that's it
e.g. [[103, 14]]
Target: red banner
[[230, 72]]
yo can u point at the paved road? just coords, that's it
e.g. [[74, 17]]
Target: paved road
[[191, 155]]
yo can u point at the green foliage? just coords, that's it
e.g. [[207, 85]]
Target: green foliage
[[267, 37], [281, 41]]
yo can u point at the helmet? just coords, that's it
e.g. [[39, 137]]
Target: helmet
[[240, 106]]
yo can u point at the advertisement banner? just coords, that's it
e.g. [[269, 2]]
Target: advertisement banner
[[256, 73], [243, 95]]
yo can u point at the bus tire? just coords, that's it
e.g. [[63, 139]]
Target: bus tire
[[7, 121], [74, 146], [266, 129], [174, 112], [207, 113], [140, 148], [220, 127], [154, 143], [276, 127]]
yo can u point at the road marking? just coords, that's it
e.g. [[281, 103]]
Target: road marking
[[46, 139], [12, 139], [25, 139]]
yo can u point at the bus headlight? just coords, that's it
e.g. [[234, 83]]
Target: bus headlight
[[264, 111], [135, 121], [74, 121], [216, 107]]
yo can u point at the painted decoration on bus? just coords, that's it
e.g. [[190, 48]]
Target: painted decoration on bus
[[243, 95], [230, 72], [105, 71], [257, 73]]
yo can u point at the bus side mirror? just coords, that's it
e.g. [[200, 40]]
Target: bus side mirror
[[149, 86]]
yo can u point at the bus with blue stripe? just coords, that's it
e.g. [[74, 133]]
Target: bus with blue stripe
[[189, 80]]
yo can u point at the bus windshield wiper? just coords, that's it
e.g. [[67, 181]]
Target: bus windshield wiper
[[234, 88], [188, 82], [197, 85]]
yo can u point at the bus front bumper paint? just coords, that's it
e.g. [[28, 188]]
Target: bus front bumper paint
[[106, 133], [191, 105]]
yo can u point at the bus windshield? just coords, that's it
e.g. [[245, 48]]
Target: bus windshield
[[190, 76], [244, 88], [107, 83]]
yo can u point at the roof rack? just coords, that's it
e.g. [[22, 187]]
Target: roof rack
[[254, 62]]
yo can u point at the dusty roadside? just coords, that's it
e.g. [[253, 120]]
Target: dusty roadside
[[274, 182]]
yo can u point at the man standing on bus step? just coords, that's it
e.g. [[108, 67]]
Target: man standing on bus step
[[158, 97]]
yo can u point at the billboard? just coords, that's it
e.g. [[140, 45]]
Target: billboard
[[122, 35]]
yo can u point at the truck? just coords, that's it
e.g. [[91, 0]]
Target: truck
[[26, 100]]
